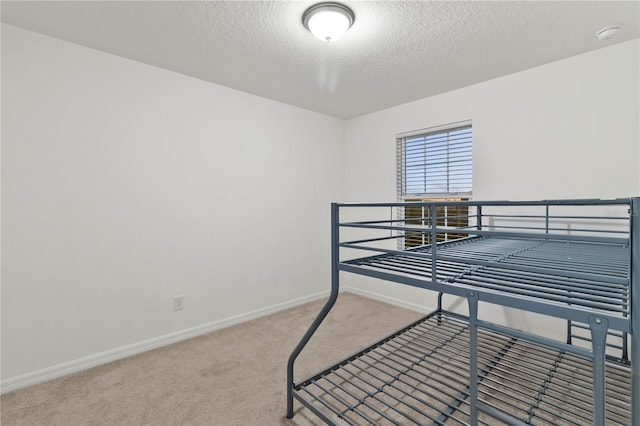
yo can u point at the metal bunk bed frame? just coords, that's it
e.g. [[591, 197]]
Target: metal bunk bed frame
[[449, 368]]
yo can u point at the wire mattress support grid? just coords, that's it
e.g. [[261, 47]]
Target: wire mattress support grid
[[575, 260]]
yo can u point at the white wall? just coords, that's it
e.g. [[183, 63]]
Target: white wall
[[125, 184], [568, 129]]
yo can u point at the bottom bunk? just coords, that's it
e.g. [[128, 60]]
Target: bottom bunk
[[420, 375]]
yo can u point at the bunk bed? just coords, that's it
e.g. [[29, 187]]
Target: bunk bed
[[574, 261]]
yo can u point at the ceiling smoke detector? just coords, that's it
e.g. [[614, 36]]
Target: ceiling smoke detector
[[608, 32], [328, 21]]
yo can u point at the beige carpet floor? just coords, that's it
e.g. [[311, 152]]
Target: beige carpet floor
[[234, 376]]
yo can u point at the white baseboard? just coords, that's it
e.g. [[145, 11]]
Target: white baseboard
[[105, 357], [95, 360], [390, 300]]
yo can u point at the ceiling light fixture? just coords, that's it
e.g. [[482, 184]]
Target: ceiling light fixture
[[328, 21], [607, 32]]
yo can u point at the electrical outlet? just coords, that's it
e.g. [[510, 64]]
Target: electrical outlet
[[178, 303]]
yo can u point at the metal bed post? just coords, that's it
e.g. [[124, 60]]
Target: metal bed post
[[546, 219], [439, 309], [335, 286], [546, 231], [598, 328], [473, 358], [635, 310], [569, 333], [434, 240]]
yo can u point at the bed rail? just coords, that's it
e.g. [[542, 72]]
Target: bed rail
[[564, 258]]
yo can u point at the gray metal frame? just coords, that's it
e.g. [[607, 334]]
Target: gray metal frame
[[576, 265]]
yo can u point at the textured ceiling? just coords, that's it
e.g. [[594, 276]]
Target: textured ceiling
[[396, 52]]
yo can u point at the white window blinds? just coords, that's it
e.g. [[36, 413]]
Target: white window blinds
[[435, 164]]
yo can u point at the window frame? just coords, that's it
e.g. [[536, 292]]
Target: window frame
[[403, 196]]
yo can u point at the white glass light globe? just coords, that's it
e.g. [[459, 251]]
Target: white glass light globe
[[328, 25], [328, 21]]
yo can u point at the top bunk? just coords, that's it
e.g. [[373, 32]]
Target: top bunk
[[565, 258]]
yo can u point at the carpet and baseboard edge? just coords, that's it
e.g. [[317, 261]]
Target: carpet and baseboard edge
[[85, 363]]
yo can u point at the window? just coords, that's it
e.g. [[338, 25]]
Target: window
[[455, 216], [435, 166]]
